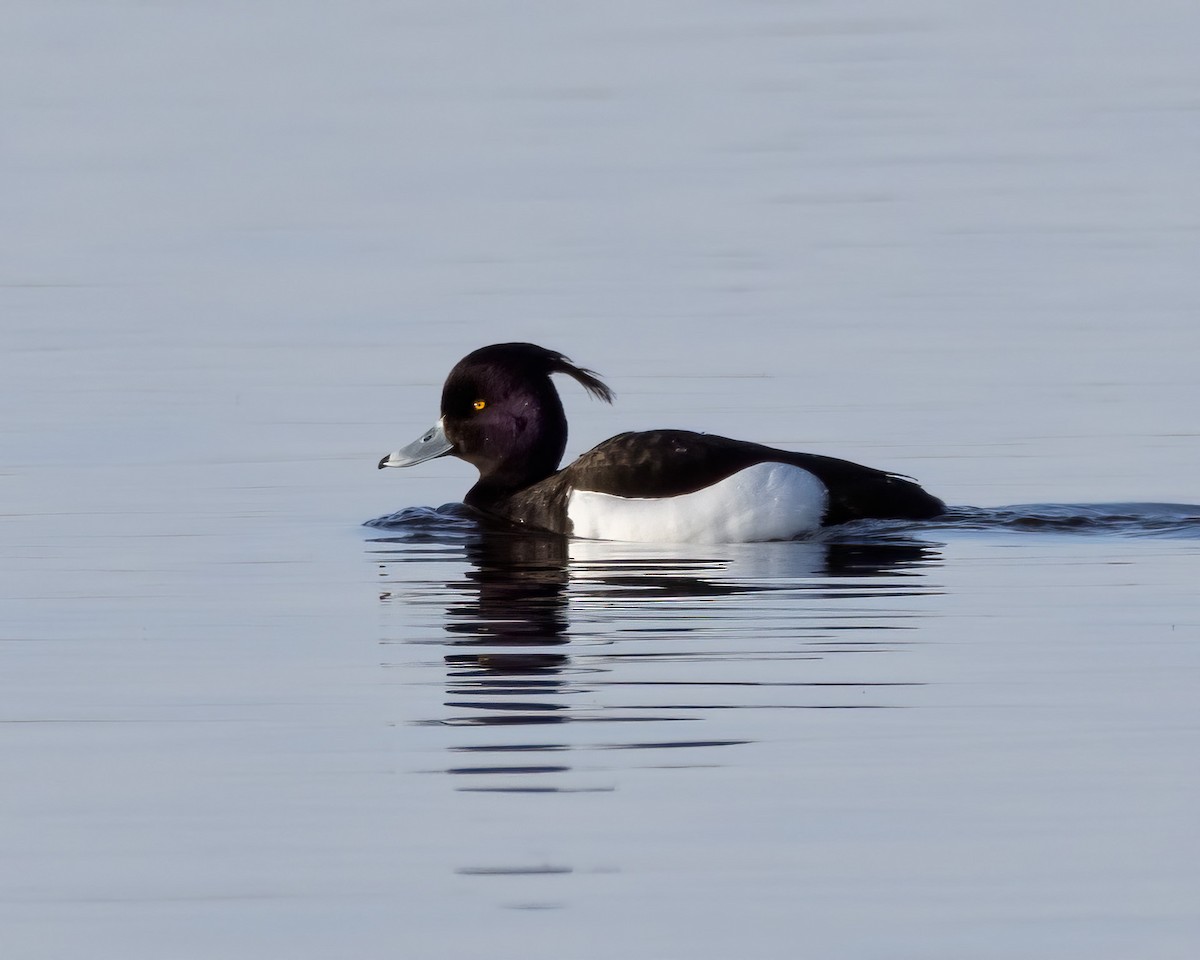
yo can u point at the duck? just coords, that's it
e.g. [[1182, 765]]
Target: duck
[[501, 413]]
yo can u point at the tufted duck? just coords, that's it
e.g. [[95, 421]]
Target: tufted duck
[[501, 412]]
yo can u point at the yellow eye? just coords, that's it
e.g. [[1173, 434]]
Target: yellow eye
[[479, 404]]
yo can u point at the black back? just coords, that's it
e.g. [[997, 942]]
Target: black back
[[669, 463]]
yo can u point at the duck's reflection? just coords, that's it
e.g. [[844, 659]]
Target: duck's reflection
[[560, 652], [544, 630]]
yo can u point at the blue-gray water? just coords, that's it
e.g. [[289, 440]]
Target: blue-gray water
[[242, 246]]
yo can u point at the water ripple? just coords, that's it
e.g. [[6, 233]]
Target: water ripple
[[454, 523]]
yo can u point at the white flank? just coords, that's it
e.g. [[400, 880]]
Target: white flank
[[768, 501]]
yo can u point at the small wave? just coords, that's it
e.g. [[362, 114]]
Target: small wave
[[1169, 520], [449, 523], [456, 523]]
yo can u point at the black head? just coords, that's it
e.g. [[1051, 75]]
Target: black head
[[502, 413]]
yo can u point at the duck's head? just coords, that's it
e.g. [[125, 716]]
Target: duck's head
[[501, 413]]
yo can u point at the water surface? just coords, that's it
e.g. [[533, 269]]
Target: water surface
[[243, 245]]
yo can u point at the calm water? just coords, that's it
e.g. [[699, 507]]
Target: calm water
[[244, 244]]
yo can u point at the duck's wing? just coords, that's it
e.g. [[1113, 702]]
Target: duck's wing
[[670, 463]]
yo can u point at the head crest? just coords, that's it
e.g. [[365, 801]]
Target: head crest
[[540, 360], [588, 379]]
